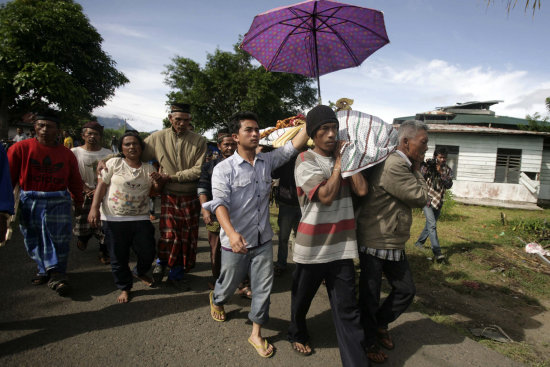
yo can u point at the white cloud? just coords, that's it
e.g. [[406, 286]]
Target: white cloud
[[390, 90], [121, 30], [141, 102]]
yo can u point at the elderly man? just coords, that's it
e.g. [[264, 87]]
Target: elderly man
[[88, 156], [180, 154], [45, 170], [383, 227], [240, 186]]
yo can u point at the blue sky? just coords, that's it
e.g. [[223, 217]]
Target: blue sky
[[440, 52]]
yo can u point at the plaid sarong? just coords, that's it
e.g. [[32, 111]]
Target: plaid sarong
[[45, 222], [81, 226], [179, 230]]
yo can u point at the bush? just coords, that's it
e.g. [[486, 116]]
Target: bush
[[448, 205]]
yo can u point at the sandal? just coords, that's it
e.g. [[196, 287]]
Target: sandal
[[82, 245], [220, 314], [245, 292], [385, 339], [259, 348], [104, 258], [305, 353], [376, 355], [39, 279], [60, 286]]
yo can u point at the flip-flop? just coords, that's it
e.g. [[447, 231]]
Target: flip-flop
[[258, 348], [81, 245], [245, 292], [305, 354], [213, 311], [40, 279], [144, 280], [385, 339]]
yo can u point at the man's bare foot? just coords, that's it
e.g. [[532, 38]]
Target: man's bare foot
[[124, 297], [144, 279], [301, 348], [263, 348]]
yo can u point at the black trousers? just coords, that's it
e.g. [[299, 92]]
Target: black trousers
[[120, 237], [402, 293], [339, 278]]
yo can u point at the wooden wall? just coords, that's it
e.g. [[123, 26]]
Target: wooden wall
[[478, 153]]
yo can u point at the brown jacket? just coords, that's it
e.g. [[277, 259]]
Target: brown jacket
[[385, 215], [181, 157]]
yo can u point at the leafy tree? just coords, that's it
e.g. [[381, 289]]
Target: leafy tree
[[50, 55], [229, 82]]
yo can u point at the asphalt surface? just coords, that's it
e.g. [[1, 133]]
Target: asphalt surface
[[164, 327]]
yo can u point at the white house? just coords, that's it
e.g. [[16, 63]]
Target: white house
[[494, 162]]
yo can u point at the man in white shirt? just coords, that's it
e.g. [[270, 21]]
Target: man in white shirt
[[20, 136], [87, 156]]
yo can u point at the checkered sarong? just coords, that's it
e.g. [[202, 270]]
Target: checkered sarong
[[45, 222], [179, 230], [81, 226]]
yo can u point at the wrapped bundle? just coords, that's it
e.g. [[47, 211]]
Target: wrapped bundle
[[370, 140]]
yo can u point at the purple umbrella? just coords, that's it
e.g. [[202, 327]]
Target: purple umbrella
[[315, 37]]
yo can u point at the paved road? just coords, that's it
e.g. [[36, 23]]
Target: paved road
[[161, 327]]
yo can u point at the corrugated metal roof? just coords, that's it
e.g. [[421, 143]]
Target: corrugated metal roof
[[471, 129]]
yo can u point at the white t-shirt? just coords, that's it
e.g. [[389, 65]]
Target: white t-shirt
[[87, 163], [127, 196]]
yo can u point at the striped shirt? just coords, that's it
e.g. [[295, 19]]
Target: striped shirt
[[326, 233]]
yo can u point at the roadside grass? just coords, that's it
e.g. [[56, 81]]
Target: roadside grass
[[486, 267], [488, 277]]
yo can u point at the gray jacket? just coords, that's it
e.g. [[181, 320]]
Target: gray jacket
[[385, 216]]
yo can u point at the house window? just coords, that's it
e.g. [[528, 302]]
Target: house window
[[508, 165], [452, 157]]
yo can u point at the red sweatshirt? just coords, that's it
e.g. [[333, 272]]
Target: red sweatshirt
[[38, 167]]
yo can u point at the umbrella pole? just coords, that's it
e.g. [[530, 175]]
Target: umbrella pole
[[314, 19], [319, 91]]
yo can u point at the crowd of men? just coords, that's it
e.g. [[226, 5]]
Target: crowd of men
[[366, 216]]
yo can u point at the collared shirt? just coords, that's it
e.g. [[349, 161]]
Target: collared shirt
[[244, 190], [385, 254], [404, 157]]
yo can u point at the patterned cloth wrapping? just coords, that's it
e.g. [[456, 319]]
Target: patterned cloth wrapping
[[179, 230], [45, 223], [81, 226], [370, 139]]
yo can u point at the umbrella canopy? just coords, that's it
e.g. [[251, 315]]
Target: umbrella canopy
[[315, 37]]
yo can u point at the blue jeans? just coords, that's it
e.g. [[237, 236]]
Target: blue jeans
[[430, 229], [288, 219], [258, 264]]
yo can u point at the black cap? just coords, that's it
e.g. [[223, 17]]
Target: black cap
[[180, 107], [49, 115], [318, 116]]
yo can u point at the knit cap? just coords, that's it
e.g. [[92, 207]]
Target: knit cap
[[318, 116]]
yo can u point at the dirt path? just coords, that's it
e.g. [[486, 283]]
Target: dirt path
[[162, 327]]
